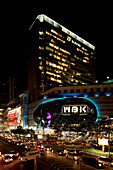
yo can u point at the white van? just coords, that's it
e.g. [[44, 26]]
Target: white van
[[29, 155]]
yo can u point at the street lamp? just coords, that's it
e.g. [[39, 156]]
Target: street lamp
[[107, 77]]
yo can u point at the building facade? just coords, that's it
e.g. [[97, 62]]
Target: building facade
[[57, 57], [100, 94]]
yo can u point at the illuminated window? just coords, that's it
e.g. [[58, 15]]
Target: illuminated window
[[85, 61], [87, 58], [40, 62], [54, 65], [80, 50], [65, 69], [78, 74], [63, 64], [41, 48], [53, 74], [55, 36], [53, 31], [41, 32], [86, 53], [88, 74], [41, 67]]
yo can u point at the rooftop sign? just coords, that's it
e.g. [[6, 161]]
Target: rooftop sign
[[43, 18]]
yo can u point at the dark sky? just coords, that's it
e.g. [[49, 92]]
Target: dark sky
[[91, 21]]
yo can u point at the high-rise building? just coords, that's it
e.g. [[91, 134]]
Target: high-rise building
[[57, 57]]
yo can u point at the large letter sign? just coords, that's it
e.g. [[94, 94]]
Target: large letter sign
[[80, 109], [74, 109], [67, 109]]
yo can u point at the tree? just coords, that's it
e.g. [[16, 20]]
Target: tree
[[4, 128], [31, 131], [19, 130]]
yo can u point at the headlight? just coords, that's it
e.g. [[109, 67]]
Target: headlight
[[6, 160], [75, 157], [100, 164]]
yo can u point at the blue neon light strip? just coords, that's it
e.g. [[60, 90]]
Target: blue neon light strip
[[49, 100]]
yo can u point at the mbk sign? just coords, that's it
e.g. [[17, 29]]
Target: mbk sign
[[81, 109]]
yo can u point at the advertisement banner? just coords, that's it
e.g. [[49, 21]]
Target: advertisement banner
[[103, 141], [14, 116]]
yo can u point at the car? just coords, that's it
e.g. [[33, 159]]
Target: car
[[38, 145], [7, 159], [12, 154], [73, 155], [68, 150], [41, 150], [92, 162], [59, 152], [28, 155], [78, 152], [47, 148], [106, 161], [17, 142]]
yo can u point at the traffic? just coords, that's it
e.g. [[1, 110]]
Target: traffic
[[30, 149]]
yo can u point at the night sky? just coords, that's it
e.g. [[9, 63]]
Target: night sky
[[91, 21]]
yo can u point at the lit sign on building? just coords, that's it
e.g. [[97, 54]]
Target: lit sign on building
[[14, 116], [81, 109], [103, 141], [74, 42]]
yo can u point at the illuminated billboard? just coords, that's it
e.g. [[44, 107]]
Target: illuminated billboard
[[66, 111], [103, 141], [14, 116]]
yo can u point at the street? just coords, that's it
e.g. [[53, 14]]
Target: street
[[46, 161]]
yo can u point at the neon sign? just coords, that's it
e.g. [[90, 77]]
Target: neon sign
[[81, 109]]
